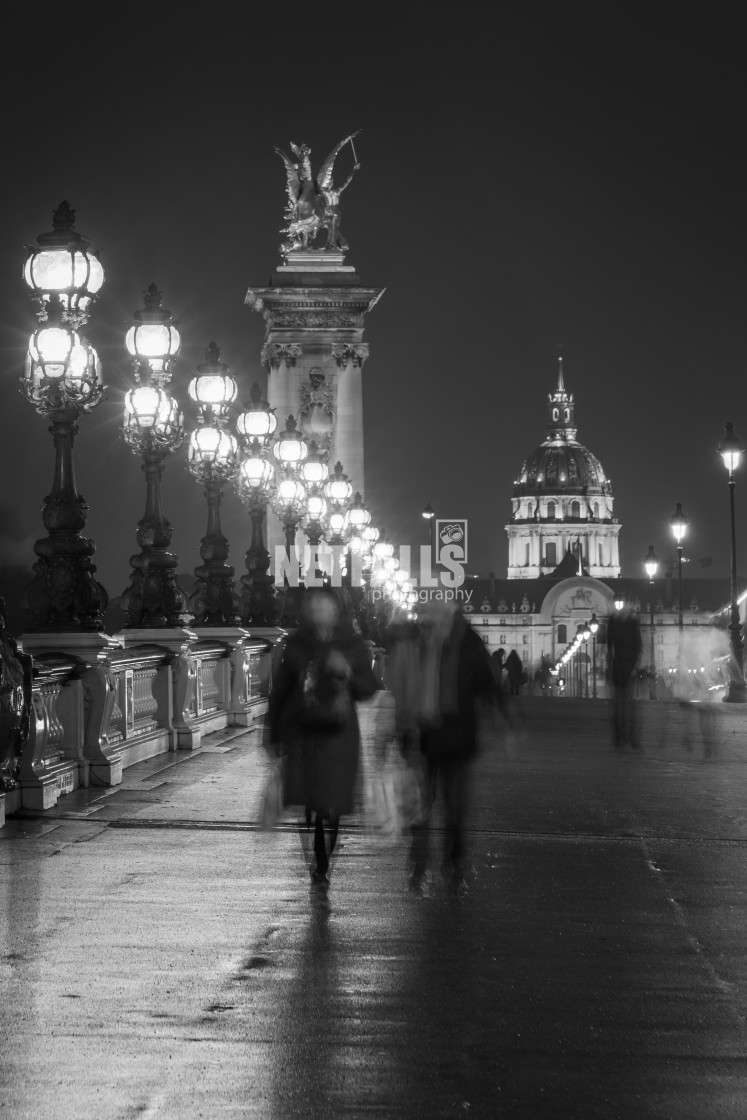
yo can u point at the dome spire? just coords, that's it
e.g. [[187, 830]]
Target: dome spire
[[561, 384], [560, 407]]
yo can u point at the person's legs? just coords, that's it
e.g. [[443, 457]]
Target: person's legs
[[618, 715], [420, 849], [455, 773], [320, 849]]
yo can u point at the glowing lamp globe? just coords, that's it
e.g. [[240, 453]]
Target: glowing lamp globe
[[209, 445], [337, 523], [153, 338], [290, 492], [730, 449], [214, 390], [258, 420], [679, 524], [339, 489], [256, 473], [358, 515], [62, 264], [314, 471], [57, 351], [290, 448], [316, 507]]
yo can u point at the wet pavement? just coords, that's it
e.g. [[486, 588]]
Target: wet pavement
[[165, 958]]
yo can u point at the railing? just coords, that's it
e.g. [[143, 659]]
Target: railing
[[88, 719]]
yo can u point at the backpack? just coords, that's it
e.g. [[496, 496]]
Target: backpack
[[326, 701]]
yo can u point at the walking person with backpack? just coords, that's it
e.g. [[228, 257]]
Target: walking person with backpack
[[324, 669]]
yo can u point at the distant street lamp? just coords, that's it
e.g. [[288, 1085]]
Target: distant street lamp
[[429, 514], [256, 426], [152, 428], [213, 459], [651, 564], [593, 627], [731, 450], [679, 525], [62, 380], [577, 642], [586, 635]]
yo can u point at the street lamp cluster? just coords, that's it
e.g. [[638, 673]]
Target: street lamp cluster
[[281, 470], [578, 677]]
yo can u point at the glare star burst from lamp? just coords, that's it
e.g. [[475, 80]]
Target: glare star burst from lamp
[[152, 428], [213, 459], [255, 481], [731, 451], [62, 379]]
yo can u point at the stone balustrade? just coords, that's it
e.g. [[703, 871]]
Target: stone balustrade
[[96, 714]]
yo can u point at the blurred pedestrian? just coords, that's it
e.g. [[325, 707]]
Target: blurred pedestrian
[[451, 676], [498, 665], [515, 670], [324, 669], [623, 658]]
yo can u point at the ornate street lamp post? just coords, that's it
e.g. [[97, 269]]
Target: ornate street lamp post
[[593, 627], [338, 490], [651, 564], [256, 426], [152, 428], [213, 459], [62, 379], [314, 473], [731, 450], [288, 501], [679, 525]]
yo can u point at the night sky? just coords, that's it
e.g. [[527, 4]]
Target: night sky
[[562, 174]]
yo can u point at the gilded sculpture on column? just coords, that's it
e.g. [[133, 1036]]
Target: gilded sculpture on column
[[314, 200]]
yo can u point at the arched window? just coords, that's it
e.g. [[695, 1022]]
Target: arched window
[[555, 414], [575, 511], [562, 634], [551, 509]]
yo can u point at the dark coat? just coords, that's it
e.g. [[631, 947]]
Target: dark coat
[[475, 683], [623, 648], [321, 763]]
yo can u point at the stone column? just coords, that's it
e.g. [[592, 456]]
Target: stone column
[[349, 409]]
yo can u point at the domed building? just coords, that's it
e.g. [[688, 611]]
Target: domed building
[[562, 504]]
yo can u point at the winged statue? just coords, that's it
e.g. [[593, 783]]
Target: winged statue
[[314, 201]]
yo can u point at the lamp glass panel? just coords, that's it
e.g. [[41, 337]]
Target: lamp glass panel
[[316, 507], [52, 344], [212, 389], [732, 457], [256, 423], [339, 490], [256, 472]]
